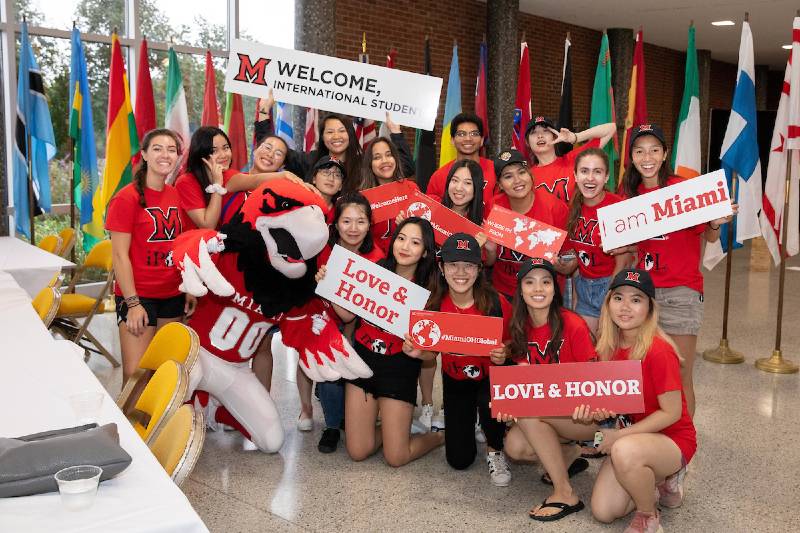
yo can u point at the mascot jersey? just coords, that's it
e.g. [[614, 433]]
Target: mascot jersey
[[230, 327]]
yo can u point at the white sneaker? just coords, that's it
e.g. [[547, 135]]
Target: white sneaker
[[305, 424], [437, 422], [425, 417], [670, 492], [479, 436], [498, 469], [248, 445]]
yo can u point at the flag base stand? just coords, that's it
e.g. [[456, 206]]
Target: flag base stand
[[776, 364], [723, 354]]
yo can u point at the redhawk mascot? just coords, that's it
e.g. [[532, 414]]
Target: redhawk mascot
[[255, 273]]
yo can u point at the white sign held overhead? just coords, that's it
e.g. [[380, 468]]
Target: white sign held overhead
[[683, 205], [333, 84]]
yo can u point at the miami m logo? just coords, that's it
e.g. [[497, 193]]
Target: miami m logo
[[538, 356], [165, 226], [557, 189], [583, 231], [250, 73]]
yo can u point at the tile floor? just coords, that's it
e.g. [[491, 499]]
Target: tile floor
[[745, 476]]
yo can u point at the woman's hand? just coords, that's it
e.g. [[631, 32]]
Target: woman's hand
[[265, 106], [409, 349], [481, 238], [190, 305], [717, 222], [585, 415], [214, 170], [498, 355], [320, 275], [136, 320], [294, 178], [393, 128], [563, 136], [610, 436], [401, 216]]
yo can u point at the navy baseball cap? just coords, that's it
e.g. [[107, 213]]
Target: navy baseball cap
[[327, 161], [539, 121], [461, 247], [535, 262], [508, 157], [634, 277], [646, 129]]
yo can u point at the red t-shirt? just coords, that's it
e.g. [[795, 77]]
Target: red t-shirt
[[576, 343], [152, 230], [375, 255], [661, 372], [558, 177], [673, 260], [593, 262], [193, 197], [463, 367], [230, 327], [382, 231], [439, 179], [546, 208]]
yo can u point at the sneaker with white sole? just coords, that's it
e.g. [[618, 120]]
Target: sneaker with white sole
[[437, 422], [498, 469], [671, 490], [645, 523], [425, 416], [305, 424]]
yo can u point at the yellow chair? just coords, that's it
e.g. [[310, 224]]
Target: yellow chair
[[174, 341], [67, 242], [79, 306], [51, 243], [180, 442], [161, 397], [46, 304]]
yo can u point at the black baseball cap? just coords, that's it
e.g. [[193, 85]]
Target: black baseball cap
[[538, 121], [634, 277], [535, 262], [327, 161], [646, 129], [461, 247], [508, 157]]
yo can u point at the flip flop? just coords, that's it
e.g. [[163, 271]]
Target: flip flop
[[566, 510], [590, 452], [578, 465]]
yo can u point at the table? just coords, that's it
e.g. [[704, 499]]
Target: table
[[37, 375], [32, 267]]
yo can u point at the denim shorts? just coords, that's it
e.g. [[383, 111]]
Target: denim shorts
[[591, 292], [680, 310]]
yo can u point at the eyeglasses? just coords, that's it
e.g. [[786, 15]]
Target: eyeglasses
[[330, 172], [469, 268], [267, 147], [473, 133]]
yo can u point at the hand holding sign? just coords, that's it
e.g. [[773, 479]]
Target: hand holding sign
[[523, 234]]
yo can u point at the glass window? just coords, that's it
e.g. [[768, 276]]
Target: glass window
[[267, 22], [99, 16], [204, 25]]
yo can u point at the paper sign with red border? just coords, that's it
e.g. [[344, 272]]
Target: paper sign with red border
[[557, 389], [455, 333], [388, 200], [523, 234], [683, 205], [370, 291], [445, 221]]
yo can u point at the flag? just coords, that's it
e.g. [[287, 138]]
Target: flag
[[452, 107], [391, 60], [481, 99], [603, 108], [425, 140], [686, 152], [366, 129], [637, 99], [210, 107], [283, 123], [81, 131], [739, 155], [145, 110], [35, 139], [234, 127], [122, 143], [565, 108], [176, 116], [310, 137], [522, 108], [772, 215]]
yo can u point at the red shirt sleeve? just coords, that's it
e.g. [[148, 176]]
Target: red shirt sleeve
[[664, 367], [579, 337], [436, 183], [189, 192], [121, 214]]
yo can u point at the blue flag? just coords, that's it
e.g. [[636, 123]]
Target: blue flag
[[81, 130], [34, 138], [283, 123]]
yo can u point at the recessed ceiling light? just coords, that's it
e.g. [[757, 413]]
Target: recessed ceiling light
[[787, 46], [723, 23]]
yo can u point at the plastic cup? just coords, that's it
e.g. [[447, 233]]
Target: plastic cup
[[86, 406], [77, 486]]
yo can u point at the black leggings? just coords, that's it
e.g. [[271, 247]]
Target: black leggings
[[461, 399]]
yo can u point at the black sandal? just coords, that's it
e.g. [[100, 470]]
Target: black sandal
[[566, 510], [577, 466]]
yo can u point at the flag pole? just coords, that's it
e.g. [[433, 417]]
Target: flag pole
[[776, 363], [31, 201], [723, 353], [73, 151]]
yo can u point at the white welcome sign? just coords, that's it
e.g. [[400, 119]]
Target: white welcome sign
[[683, 205], [333, 84]]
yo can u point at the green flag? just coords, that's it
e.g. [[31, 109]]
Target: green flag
[[603, 107], [686, 158]]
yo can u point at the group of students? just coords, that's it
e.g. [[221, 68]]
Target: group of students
[[640, 302]]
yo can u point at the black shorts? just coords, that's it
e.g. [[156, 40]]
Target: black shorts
[[155, 307], [393, 376]]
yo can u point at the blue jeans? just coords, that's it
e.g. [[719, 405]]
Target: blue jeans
[[331, 397], [591, 292]]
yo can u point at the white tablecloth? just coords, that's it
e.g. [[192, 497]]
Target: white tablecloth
[[37, 375], [32, 267]]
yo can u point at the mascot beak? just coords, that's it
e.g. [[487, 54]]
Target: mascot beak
[[293, 238]]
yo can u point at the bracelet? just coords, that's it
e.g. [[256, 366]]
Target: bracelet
[[132, 305], [713, 228], [216, 188], [576, 138], [132, 299]]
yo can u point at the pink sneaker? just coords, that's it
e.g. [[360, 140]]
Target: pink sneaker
[[671, 490], [645, 523]]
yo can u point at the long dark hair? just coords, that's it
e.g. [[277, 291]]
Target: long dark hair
[[140, 176], [475, 209], [483, 293], [352, 155], [427, 265], [520, 319], [201, 147], [368, 178], [344, 201], [629, 186], [576, 203]]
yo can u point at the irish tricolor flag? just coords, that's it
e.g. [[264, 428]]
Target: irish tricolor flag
[[176, 117], [686, 156]]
